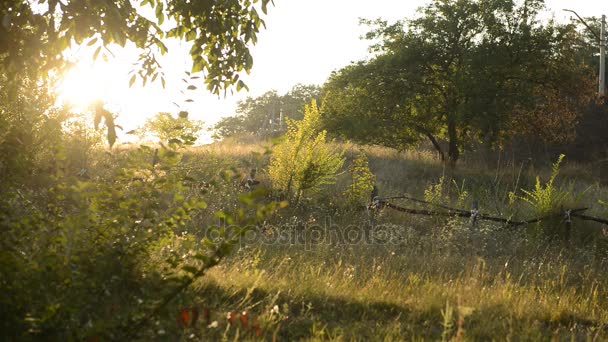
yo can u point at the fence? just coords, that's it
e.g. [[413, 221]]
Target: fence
[[474, 214]]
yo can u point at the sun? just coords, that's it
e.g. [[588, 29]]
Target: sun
[[86, 83]]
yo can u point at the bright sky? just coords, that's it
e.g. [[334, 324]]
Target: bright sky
[[304, 41]]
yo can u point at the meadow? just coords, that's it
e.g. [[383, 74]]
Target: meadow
[[327, 270], [168, 244]]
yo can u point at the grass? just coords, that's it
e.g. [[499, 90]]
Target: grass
[[436, 279], [327, 270]]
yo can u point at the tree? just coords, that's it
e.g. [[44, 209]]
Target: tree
[[34, 34], [169, 129], [262, 115], [458, 72], [30, 132]]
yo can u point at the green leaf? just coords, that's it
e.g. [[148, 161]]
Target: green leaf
[[190, 269], [191, 35], [162, 47], [240, 85], [174, 141], [132, 80], [92, 41], [96, 54], [111, 136]]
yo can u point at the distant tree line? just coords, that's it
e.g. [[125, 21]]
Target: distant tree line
[[266, 115]]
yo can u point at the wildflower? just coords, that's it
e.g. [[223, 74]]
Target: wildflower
[[274, 310], [213, 324]]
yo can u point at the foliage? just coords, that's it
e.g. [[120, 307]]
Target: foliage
[[303, 161], [170, 129], [34, 33], [362, 180], [109, 121], [462, 71], [265, 115], [78, 262], [434, 193], [548, 198], [30, 131]]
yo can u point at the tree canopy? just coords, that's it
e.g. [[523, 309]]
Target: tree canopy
[[461, 71], [170, 129], [34, 34]]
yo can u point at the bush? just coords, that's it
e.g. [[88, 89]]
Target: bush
[[303, 161], [169, 129], [362, 181], [82, 260], [549, 198]]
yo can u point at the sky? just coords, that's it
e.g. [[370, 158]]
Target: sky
[[304, 41]]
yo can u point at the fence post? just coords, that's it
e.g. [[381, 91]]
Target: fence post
[[475, 212], [568, 219]]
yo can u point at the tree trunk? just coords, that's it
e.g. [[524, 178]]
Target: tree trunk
[[433, 141], [453, 153]]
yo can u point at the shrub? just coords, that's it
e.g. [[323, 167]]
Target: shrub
[[79, 260], [169, 129], [362, 180], [546, 199], [303, 161]]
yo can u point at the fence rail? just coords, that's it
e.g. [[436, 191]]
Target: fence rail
[[383, 202]]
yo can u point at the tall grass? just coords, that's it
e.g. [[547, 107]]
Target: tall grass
[[436, 279]]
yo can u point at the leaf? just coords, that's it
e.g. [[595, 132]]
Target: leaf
[[162, 81], [111, 136], [240, 85], [132, 80], [97, 51], [191, 87], [191, 35], [97, 119], [174, 141], [190, 269], [92, 41], [162, 47]]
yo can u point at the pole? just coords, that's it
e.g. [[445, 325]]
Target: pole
[[602, 40], [602, 88]]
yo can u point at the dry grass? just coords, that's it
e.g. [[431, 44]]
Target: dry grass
[[440, 278]]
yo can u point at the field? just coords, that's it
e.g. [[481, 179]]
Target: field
[[344, 273], [151, 246]]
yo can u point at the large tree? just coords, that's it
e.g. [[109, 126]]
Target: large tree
[[34, 34], [459, 72]]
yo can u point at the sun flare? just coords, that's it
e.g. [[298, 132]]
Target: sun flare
[[86, 83]]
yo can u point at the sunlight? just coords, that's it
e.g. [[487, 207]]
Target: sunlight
[[87, 83]]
